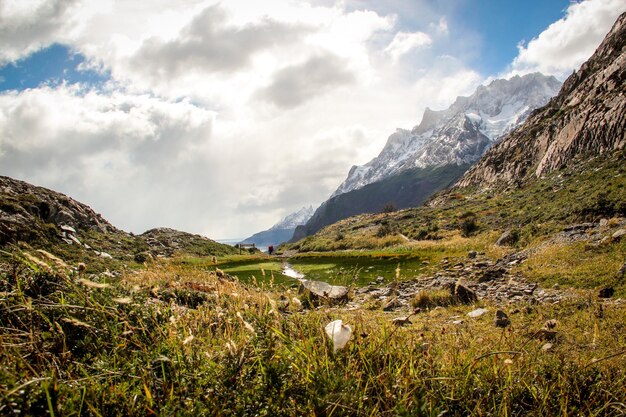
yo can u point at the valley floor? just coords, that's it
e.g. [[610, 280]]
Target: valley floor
[[182, 336]]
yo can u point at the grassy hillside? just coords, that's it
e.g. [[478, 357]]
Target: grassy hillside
[[180, 341], [410, 188], [584, 192]]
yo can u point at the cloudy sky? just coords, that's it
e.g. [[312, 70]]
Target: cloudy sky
[[221, 117]]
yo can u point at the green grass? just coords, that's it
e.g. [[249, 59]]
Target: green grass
[[577, 265], [338, 268], [176, 340]]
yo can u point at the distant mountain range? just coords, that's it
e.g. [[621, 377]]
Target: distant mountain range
[[283, 230], [416, 163]]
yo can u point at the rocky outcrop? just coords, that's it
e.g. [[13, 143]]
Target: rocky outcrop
[[586, 119], [164, 241], [28, 212], [44, 218]]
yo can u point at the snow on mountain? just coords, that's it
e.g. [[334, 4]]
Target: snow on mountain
[[460, 134], [294, 219]]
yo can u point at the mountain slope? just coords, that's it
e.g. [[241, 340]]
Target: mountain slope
[[283, 230], [460, 134], [449, 140], [409, 188], [587, 118], [559, 181]]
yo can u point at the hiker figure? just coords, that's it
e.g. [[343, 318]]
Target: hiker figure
[[270, 249]]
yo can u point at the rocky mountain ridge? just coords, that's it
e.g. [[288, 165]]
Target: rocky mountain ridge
[[460, 134], [586, 119]]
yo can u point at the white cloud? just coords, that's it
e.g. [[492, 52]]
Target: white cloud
[[218, 119], [26, 26], [299, 83], [404, 42], [570, 41]]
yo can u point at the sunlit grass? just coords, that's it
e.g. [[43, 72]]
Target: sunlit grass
[[192, 343]]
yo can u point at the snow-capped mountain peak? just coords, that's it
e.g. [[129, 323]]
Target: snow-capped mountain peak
[[459, 134], [295, 219]]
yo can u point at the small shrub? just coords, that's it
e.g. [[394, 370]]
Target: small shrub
[[389, 208], [432, 298], [468, 226], [384, 230]]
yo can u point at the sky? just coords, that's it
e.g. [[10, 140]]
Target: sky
[[222, 117]]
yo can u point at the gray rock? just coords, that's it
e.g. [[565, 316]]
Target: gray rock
[[318, 292], [463, 294], [401, 321], [501, 319], [618, 235], [477, 313], [392, 305], [606, 292], [508, 238]]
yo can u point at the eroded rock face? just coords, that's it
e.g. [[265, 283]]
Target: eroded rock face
[[586, 118]]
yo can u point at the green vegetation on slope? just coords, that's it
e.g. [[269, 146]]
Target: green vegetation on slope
[[409, 188]]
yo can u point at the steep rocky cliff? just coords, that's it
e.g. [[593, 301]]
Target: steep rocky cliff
[[586, 119]]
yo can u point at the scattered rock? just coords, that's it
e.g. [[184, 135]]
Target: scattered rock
[[508, 238], [463, 294], [401, 321], [379, 280], [491, 273], [618, 235], [501, 319], [392, 305], [67, 228], [545, 334], [550, 324], [317, 292], [546, 347], [606, 292], [105, 255], [603, 222], [477, 313]]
